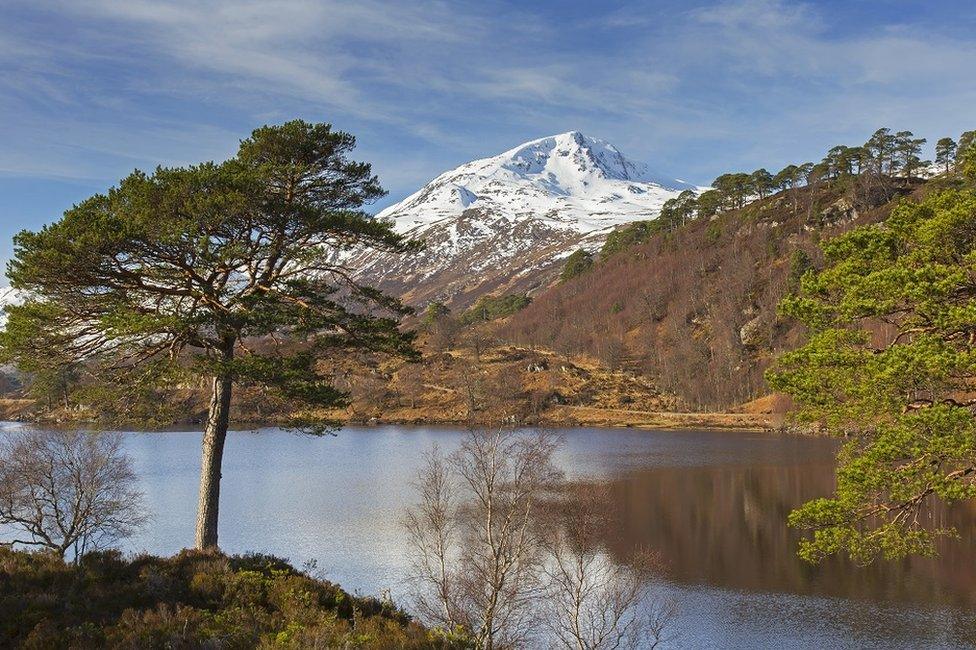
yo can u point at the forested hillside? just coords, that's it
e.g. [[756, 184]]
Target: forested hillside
[[690, 300]]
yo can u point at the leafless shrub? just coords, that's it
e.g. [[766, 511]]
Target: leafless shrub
[[479, 338], [410, 384], [477, 555], [443, 333], [68, 490], [504, 551], [594, 602], [493, 397], [368, 393]]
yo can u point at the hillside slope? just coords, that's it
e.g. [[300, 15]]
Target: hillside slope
[[694, 309]]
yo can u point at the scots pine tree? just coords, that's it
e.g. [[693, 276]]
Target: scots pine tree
[[229, 271], [945, 153], [890, 365]]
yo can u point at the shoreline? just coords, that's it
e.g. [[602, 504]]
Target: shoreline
[[559, 416]]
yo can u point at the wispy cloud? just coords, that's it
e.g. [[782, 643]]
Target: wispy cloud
[[91, 89]]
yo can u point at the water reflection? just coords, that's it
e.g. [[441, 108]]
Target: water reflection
[[714, 503], [724, 526]]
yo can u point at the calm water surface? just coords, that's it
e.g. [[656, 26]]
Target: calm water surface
[[713, 503]]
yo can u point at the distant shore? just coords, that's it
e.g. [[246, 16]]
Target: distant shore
[[585, 416], [556, 416]]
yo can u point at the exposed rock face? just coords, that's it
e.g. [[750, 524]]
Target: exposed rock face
[[750, 334]]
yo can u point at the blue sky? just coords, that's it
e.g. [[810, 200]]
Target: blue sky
[[90, 90]]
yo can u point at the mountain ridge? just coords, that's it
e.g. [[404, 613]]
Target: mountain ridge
[[506, 222]]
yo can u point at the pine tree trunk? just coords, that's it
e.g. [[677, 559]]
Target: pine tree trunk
[[213, 451]]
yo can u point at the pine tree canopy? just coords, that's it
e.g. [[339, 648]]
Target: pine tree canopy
[[207, 269], [890, 365]]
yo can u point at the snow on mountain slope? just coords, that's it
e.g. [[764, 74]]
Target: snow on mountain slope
[[504, 223], [7, 297]]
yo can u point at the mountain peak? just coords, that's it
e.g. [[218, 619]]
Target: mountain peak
[[506, 222], [574, 153], [585, 179], [569, 137]]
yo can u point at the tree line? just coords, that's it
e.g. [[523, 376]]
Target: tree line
[[886, 156], [875, 171]]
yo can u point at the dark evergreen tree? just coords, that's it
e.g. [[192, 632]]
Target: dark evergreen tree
[[836, 163], [734, 188], [786, 178], [803, 173], [907, 150], [709, 202], [576, 264], [945, 153], [967, 141], [762, 182], [880, 151], [678, 211], [857, 160], [183, 271]]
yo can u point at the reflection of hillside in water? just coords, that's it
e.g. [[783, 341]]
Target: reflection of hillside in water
[[726, 526]]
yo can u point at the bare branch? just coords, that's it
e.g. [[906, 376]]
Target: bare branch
[[68, 489]]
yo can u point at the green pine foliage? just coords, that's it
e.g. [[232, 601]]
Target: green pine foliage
[[735, 188], [709, 203], [945, 153], [177, 274], [890, 366], [434, 312], [576, 264], [800, 263], [490, 308], [632, 234], [678, 211], [967, 162]]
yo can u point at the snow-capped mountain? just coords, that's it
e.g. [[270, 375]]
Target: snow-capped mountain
[[506, 222]]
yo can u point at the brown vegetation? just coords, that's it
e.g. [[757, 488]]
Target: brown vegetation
[[489, 385], [694, 309], [192, 600], [477, 380]]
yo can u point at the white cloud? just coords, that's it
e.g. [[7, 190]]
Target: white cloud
[[463, 79]]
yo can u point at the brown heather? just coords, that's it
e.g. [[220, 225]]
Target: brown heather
[[694, 309]]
